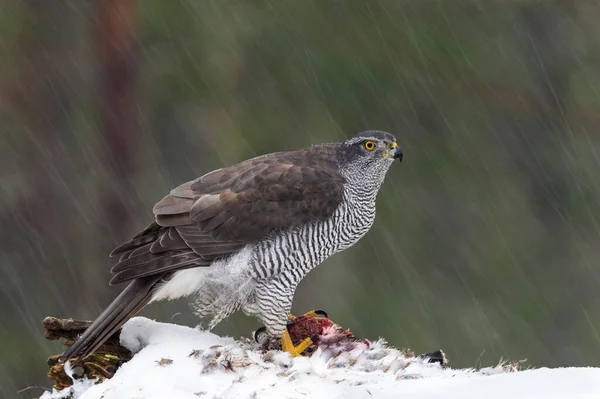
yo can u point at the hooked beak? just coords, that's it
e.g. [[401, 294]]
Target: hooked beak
[[395, 152]]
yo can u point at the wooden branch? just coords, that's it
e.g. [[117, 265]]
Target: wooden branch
[[102, 364]]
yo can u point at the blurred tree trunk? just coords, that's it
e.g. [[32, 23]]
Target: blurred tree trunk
[[116, 29]]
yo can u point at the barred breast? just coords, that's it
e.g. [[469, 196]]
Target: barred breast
[[299, 250]]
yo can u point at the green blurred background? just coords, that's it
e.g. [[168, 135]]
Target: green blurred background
[[487, 237]]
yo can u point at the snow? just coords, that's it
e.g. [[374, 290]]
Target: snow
[[173, 361]]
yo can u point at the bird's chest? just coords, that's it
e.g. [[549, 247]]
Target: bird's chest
[[296, 252]]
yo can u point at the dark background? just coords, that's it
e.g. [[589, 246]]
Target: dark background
[[486, 242]]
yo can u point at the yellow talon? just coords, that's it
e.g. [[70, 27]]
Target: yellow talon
[[311, 313], [288, 346]]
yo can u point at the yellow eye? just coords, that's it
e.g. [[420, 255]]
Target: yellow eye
[[369, 145]]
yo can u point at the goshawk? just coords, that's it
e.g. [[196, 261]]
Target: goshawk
[[243, 237]]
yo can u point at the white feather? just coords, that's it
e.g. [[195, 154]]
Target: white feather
[[231, 273]]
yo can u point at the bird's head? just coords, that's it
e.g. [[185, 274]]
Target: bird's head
[[368, 155]]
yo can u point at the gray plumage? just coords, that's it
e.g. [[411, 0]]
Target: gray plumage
[[243, 237]]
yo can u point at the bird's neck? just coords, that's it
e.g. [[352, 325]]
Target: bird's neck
[[362, 187]]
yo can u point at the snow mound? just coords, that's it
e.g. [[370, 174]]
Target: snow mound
[[173, 361]]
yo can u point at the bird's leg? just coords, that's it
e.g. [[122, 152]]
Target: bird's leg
[[278, 318]]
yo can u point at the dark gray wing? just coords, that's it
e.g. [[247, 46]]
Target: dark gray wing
[[221, 212]]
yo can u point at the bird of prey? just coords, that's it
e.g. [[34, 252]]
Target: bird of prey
[[243, 237]]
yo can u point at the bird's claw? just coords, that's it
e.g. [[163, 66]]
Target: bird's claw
[[314, 313], [261, 335], [288, 346]]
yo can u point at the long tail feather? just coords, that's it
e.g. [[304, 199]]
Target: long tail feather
[[126, 305]]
